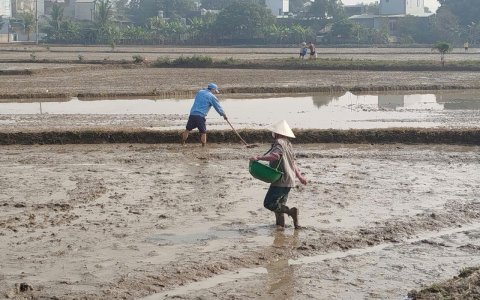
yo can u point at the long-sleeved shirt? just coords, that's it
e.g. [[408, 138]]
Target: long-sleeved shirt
[[283, 149], [204, 100]]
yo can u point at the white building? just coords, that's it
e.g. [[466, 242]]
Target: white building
[[402, 7], [278, 7], [390, 12], [5, 8]]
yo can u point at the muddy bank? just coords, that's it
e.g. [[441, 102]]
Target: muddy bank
[[464, 286], [229, 91], [369, 136]]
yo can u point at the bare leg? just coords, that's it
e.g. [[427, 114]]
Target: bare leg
[[184, 136], [203, 139]]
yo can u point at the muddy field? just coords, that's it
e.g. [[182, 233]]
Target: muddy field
[[111, 221], [64, 80], [161, 221]]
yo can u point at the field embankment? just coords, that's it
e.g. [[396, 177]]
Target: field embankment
[[365, 136]]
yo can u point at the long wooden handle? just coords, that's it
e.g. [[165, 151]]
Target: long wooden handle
[[243, 141]]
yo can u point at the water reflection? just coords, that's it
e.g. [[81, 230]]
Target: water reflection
[[280, 274], [320, 110], [320, 100]]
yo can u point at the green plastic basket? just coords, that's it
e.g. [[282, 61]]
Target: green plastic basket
[[264, 172]]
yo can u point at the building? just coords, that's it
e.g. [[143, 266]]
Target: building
[[27, 6], [402, 7], [5, 9], [390, 12], [80, 9], [278, 7]]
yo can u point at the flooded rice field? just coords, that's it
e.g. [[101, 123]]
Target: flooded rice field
[[164, 221], [442, 109]]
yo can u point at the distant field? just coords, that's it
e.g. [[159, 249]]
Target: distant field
[[152, 53]]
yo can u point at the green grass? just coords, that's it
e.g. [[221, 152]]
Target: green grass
[[318, 64]]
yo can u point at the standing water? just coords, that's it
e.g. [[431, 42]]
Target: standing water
[[456, 109]]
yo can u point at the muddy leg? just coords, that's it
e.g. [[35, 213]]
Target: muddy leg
[[292, 213], [280, 219], [184, 136], [203, 139]]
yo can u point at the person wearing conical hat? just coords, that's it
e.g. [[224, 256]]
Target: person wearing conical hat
[[282, 153], [204, 100]]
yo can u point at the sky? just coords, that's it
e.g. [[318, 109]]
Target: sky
[[432, 4]]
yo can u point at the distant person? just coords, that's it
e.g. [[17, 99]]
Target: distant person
[[303, 50], [313, 52], [282, 154], [204, 100], [465, 45]]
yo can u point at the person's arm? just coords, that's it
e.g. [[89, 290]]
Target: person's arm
[[218, 107], [299, 175], [270, 156]]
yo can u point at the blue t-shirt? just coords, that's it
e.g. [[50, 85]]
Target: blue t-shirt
[[204, 100]]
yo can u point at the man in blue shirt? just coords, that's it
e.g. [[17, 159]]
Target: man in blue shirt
[[204, 100]]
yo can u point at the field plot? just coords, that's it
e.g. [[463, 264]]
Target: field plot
[[110, 221], [161, 221]]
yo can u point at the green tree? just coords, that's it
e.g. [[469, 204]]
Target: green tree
[[300, 33], [297, 5], [415, 29], [446, 26], [1, 22], [443, 48], [243, 20], [141, 10], [121, 9], [28, 20], [106, 31], [326, 9], [343, 28], [177, 8], [56, 17], [103, 13], [216, 4], [201, 27], [466, 11]]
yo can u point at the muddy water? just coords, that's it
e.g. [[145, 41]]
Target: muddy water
[[367, 273], [318, 111]]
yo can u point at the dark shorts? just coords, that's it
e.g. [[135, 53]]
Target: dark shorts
[[197, 122], [276, 197]]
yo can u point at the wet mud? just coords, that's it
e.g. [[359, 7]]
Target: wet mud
[[109, 213], [134, 220]]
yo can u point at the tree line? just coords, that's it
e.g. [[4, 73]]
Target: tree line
[[226, 22]]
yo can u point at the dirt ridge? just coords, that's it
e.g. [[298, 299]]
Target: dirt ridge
[[469, 136]]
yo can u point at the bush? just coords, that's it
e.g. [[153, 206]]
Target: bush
[[138, 59], [196, 61]]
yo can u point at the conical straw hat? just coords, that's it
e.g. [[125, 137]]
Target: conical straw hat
[[282, 128]]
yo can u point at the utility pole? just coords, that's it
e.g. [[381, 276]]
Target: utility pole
[[36, 21]]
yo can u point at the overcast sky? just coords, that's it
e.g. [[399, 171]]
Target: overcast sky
[[432, 4]]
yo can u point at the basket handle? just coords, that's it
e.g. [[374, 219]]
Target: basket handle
[[279, 162]]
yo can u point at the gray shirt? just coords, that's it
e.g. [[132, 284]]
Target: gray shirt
[[283, 147]]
